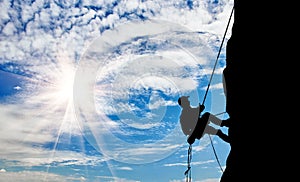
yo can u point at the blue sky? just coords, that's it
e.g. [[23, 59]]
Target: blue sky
[[89, 88]]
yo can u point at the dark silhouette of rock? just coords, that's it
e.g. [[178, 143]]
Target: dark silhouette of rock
[[252, 80]]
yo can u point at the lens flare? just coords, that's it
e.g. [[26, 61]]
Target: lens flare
[[127, 85]]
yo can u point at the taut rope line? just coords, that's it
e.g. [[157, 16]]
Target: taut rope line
[[189, 171]]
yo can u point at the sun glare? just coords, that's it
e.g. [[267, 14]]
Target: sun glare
[[65, 85], [59, 94], [62, 75]]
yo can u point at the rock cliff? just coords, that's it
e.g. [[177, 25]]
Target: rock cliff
[[251, 79]]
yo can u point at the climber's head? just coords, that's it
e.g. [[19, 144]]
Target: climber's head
[[184, 101]]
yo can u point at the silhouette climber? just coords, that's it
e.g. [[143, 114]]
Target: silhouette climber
[[195, 126]]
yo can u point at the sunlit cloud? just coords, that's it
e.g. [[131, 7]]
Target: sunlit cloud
[[44, 113]]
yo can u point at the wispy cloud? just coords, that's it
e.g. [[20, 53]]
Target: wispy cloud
[[125, 168], [112, 178], [194, 163], [36, 176]]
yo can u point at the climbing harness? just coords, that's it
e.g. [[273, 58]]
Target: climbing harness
[[188, 172]]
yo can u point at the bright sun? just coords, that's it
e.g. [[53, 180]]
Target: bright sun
[[58, 89], [60, 95], [64, 85]]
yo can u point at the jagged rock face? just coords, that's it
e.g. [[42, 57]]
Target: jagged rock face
[[247, 93]]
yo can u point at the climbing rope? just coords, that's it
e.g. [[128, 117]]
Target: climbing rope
[[189, 171], [217, 56], [211, 142], [212, 145]]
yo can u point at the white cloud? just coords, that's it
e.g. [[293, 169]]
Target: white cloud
[[4, 16], [216, 86], [24, 176], [196, 163], [2, 170], [210, 180], [125, 168], [34, 122], [113, 178], [200, 18], [26, 155], [139, 153], [9, 29], [17, 88]]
